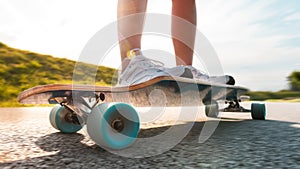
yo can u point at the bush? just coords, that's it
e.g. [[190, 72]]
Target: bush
[[294, 79]]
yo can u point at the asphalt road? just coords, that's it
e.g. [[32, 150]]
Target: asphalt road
[[28, 140]]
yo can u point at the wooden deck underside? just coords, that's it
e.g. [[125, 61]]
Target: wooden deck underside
[[162, 91]]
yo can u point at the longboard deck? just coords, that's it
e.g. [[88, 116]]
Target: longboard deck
[[160, 91]]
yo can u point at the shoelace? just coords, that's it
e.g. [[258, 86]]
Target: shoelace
[[136, 52], [152, 62], [143, 62], [198, 73]]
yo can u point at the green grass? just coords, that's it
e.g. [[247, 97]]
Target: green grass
[[284, 100], [283, 95], [20, 70]]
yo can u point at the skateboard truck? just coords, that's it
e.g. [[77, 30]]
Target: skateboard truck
[[73, 118], [234, 106], [74, 113]]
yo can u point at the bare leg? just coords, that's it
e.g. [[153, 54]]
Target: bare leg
[[130, 26], [185, 9]]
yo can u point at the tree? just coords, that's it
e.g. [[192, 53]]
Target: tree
[[294, 81]]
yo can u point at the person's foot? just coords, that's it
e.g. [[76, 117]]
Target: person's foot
[[226, 79], [141, 69]]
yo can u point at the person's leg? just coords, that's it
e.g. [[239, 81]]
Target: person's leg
[[130, 25], [185, 9]]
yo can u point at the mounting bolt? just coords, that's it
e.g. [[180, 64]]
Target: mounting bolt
[[102, 97]]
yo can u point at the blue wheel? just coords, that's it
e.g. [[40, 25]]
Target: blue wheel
[[57, 120], [258, 111], [113, 125]]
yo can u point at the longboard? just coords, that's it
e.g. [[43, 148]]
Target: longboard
[[137, 95], [112, 106]]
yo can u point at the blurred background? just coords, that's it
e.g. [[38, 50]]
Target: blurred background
[[257, 41]]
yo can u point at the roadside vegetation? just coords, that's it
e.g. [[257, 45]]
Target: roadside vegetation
[[20, 70], [284, 95], [292, 95]]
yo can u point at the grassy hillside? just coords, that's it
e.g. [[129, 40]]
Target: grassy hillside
[[20, 70]]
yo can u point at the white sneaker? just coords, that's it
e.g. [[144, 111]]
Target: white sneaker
[[197, 74], [141, 69]]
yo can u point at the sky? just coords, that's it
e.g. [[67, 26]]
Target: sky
[[257, 41]]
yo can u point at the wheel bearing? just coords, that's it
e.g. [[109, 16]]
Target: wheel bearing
[[117, 124]]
